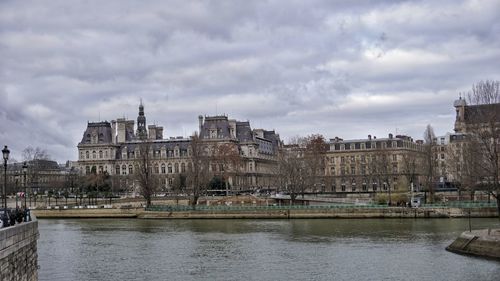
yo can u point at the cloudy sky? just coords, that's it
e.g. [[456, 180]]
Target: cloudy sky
[[332, 67]]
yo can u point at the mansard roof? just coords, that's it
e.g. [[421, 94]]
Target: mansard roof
[[244, 131], [482, 113], [219, 123], [100, 129]]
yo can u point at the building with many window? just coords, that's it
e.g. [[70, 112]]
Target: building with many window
[[113, 148], [373, 164]]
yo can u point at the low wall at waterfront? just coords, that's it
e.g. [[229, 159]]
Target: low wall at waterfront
[[284, 213], [485, 243], [268, 213], [86, 213], [18, 252]]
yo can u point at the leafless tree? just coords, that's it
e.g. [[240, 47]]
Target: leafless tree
[[429, 165], [291, 171], [465, 164], [381, 168], [227, 159], [314, 154], [146, 180], [483, 129], [199, 174], [34, 157]]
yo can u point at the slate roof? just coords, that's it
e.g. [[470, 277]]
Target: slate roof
[[219, 123], [244, 131], [102, 129], [483, 113]]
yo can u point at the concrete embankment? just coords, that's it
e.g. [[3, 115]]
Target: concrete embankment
[[277, 213], [484, 243]]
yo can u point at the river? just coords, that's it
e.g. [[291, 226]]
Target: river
[[341, 249]]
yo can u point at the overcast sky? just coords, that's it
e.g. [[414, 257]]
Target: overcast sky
[[300, 67]]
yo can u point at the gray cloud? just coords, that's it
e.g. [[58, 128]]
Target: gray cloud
[[333, 67]]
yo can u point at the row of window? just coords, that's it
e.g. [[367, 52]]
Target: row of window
[[369, 145], [363, 158], [363, 170], [157, 169], [94, 155], [158, 154]]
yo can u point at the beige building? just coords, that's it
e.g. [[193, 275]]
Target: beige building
[[373, 164]]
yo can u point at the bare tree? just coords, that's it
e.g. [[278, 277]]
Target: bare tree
[[198, 175], [35, 159], [483, 129], [429, 164], [465, 164], [411, 165], [291, 171], [314, 154], [381, 168], [146, 180], [226, 156]]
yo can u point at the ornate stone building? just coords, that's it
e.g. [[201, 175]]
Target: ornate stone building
[[113, 148]]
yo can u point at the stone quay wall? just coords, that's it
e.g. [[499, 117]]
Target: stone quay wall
[[484, 243], [278, 213], [18, 252]]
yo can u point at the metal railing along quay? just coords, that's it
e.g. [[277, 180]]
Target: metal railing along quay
[[184, 208]]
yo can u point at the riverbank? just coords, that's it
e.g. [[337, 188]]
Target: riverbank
[[270, 213], [484, 243]]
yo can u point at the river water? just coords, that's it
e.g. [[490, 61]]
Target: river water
[[367, 249]]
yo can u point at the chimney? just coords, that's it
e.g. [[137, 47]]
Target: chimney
[[159, 133], [113, 131], [200, 120], [120, 130], [390, 136], [152, 132], [369, 137]]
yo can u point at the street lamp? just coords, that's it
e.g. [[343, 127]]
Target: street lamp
[[25, 169], [5, 153]]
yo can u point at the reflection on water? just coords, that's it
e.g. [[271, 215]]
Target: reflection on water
[[369, 249]]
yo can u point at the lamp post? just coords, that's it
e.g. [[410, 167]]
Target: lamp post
[[25, 169], [5, 153]]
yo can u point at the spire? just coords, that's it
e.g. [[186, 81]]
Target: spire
[[141, 123]]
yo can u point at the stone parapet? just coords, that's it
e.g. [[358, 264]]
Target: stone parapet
[[18, 252]]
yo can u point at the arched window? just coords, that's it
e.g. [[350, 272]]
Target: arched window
[[88, 138], [124, 170], [157, 170], [101, 137], [163, 168], [130, 169], [176, 168], [117, 169], [100, 154], [82, 155], [183, 168], [169, 168], [94, 155], [87, 154], [190, 166]]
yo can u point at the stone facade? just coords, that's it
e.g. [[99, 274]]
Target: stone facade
[[113, 147], [371, 165], [18, 252]]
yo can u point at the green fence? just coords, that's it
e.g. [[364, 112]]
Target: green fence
[[180, 208]]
